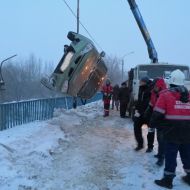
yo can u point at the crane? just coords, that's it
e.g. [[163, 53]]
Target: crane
[[138, 17]]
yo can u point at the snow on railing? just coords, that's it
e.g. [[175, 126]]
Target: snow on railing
[[18, 113]]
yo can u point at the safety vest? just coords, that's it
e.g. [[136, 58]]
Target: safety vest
[[177, 116], [107, 93]]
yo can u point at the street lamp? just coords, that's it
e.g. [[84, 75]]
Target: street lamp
[[129, 53], [2, 83]]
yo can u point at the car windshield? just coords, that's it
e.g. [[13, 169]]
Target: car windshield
[[154, 71]]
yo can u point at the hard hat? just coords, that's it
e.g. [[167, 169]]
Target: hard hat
[[177, 77]]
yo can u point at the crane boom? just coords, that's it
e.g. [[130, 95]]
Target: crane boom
[[138, 17]]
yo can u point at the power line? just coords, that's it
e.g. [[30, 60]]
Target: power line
[[82, 25]]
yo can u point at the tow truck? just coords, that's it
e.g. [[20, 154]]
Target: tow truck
[[153, 69]]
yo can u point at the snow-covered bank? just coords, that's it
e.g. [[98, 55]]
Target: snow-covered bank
[[77, 150]]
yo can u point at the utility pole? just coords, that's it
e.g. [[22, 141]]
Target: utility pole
[[122, 70], [78, 20]]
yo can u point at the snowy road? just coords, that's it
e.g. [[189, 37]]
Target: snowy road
[[77, 150]]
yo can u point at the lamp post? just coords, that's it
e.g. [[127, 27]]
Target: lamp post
[[2, 83], [122, 61]]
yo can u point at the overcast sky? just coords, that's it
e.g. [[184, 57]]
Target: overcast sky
[[40, 27]]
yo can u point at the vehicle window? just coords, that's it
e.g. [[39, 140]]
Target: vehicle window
[[142, 74], [66, 61], [135, 73]]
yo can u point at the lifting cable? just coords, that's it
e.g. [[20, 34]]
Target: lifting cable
[[82, 25]]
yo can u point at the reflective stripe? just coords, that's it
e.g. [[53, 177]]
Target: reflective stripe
[[178, 117], [159, 110], [184, 107], [169, 173]]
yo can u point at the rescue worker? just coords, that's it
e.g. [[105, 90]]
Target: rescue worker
[[115, 100], [107, 91], [140, 107], [158, 86], [123, 99], [173, 106]]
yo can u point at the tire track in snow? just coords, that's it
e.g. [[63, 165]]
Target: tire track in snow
[[91, 152]]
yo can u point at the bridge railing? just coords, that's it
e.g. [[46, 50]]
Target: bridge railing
[[18, 113]]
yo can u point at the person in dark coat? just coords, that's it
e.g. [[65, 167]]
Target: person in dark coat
[[115, 98], [140, 107], [123, 99]]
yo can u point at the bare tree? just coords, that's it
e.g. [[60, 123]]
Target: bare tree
[[22, 80], [114, 70]]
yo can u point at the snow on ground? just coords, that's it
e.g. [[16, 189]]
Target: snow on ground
[[77, 150]]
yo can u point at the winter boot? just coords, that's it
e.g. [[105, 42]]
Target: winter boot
[[106, 113], [148, 150], [186, 179], [165, 182], [139, 147]]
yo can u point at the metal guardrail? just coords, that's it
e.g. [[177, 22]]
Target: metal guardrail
[[18, 113]]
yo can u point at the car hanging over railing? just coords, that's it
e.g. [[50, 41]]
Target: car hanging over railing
[[81, 70]]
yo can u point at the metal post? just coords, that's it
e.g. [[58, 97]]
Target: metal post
[[78, 16], [2, 83], [122, 68], [122, 62]]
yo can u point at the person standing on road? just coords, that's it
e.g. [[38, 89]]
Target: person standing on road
[[123, 99], [159, 86], [107, 91], [140, 107], [173, 106], [115, 100]]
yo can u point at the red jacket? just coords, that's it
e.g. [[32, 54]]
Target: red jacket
[[107, 91], [176, 115]]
